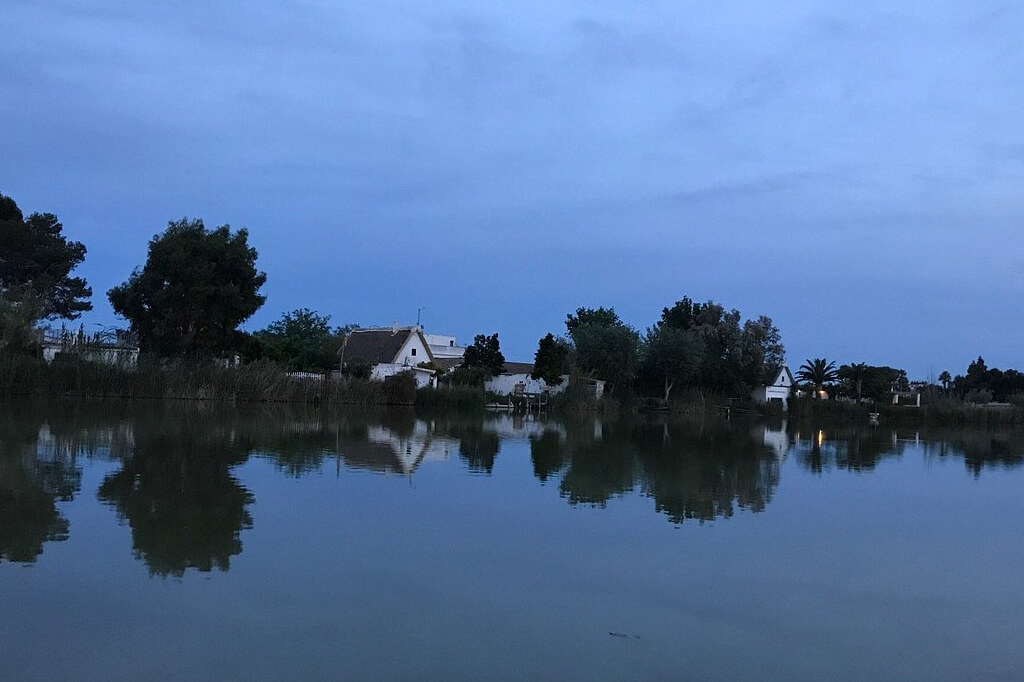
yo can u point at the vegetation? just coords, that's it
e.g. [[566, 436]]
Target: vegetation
[[196, 287], [302, 340], [818, 372], [36, 261], [604, 346], [485, 353], [551, 360]]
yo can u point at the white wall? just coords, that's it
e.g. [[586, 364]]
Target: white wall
[[505, 384], [444, 346], [405, 356], [382, 370]]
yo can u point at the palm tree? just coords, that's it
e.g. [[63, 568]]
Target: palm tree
[[818, 372], [945, 379], [856, 373]]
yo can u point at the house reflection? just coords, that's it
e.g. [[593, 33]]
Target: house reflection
[[391, 450]]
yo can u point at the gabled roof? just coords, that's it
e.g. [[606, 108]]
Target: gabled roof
[[783, 372], [518, 368], [380, 345], [447, 363]]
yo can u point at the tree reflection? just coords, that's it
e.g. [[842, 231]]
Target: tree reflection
[[546, 454], [706, 473], [176, 492], [981, 449], [691, 471], [599, 469], [827, 447], [478, 448], [34, 475]]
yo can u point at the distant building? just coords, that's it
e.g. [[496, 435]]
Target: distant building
[[776, 392], [117, 347], [515, 379], [444, 347], [390, 351]]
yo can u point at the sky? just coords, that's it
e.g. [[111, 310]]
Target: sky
[[853, 170]]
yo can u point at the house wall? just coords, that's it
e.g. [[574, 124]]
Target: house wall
[[444, 346], [764, 394], [505, 384], [128, 357], [382, 370], [413, 352]]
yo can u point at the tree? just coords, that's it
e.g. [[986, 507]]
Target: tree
[[603, 317], [722, 367], [303, 339], [673, 353], [485, 351], [550, 360], [945, 379], [818, 372], [196, 287], [854, 375], [605, 346], [762, 354], [36, 261]]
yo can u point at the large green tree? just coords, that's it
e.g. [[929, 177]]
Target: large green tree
[[36, 261], [673, 354], [550, 361], [605, 346], [720, 331], [196, 287], [485, 352], [303, 340]]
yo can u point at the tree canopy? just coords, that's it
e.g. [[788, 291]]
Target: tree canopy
[[196, 287], [485, 352], [604, 345], [818, 372], [549, 364], [674, 354], [36, 261], [303, 340]]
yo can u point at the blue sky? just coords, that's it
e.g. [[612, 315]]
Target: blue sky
[[851, 169]]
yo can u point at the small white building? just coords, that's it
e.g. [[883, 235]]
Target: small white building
[[777, 391], [516, 380], [390, 351], [443, 346], [110, 348]]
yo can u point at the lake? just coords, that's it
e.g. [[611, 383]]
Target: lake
[[201, 542]]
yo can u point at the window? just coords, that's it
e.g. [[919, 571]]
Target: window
[[413, 352]]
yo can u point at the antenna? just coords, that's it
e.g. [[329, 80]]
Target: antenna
[[419, 311]]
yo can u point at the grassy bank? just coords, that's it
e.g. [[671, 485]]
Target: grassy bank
[[943, 411], [22, 376]]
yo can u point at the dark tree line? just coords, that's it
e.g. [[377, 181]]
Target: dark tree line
[[982, 385], [692, 345]]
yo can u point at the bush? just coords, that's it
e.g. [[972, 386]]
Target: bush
[[400, 389]]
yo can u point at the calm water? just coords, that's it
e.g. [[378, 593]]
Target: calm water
[[168, 543]]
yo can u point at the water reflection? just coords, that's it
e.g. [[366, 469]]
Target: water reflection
[[860, 449], [34, 476], [177, 494], [175, 489]]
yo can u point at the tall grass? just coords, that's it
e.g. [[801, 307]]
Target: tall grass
[[179, 380]]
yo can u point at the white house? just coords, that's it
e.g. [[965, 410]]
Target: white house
[[390, 351], [516, 379], [777, 391], [443, 346]]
